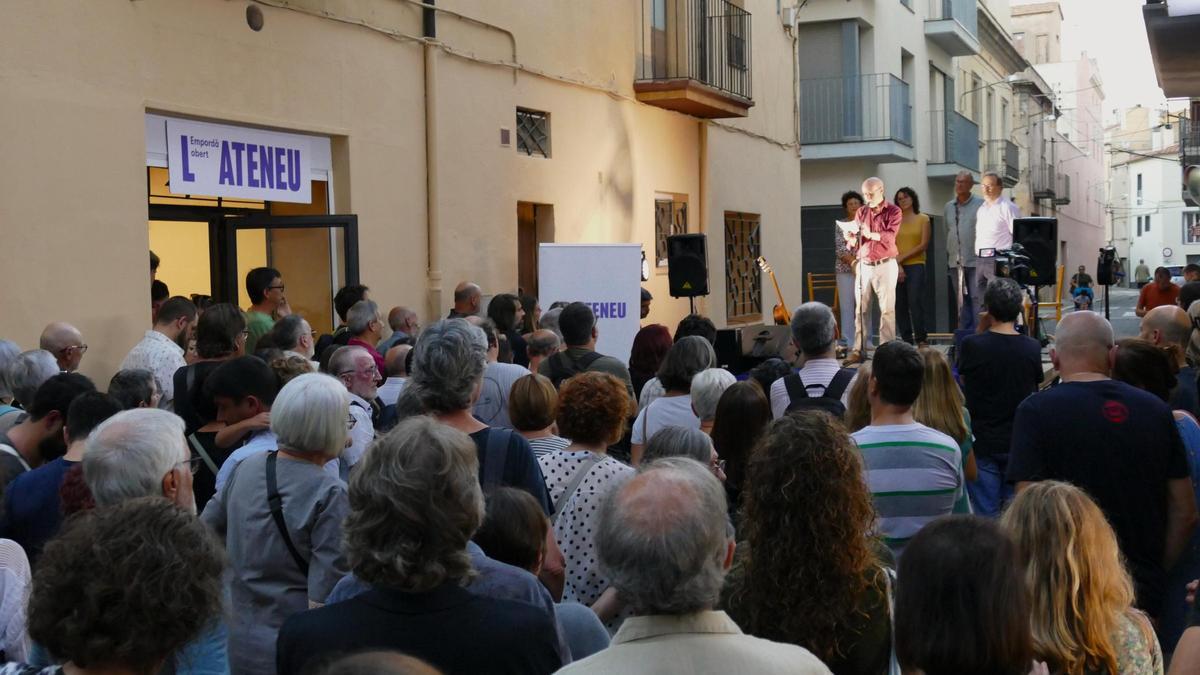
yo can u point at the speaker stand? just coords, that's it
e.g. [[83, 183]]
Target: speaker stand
[[1036, 329], [1106, 316], [692, 304]]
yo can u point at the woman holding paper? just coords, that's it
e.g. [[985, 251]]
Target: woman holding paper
[[844, 266], [911, 240]]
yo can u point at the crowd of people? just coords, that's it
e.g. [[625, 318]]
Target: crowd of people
[[488, 493]]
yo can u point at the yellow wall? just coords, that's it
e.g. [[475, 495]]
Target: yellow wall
[[79, 78], [182, 248]]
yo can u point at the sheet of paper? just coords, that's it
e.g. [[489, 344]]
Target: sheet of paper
[[848, 226]]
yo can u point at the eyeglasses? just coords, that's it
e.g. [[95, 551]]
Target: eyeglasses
[[192, 464], [280, 287], [82, 348], [717, 466], [373, 370]]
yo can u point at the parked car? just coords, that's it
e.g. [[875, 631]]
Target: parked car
[[1176, 274]]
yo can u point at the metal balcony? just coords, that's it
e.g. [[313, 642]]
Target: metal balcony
[[953, 25], [1043, 180], [1004, 158], [1062, 195], [695, 57], [866, 117], [953, 145]]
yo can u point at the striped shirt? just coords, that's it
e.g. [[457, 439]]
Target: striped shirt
[[547, 444], [816, 375], [914, 474]]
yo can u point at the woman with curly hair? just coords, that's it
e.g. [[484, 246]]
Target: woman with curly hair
[[808, 572], [123, 588], [1082, 596], [592, 409]]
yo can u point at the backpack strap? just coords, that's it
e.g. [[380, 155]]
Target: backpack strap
[[587, 360], [275, 503], [558, 370], [795, 387], [199, 448], [494, 457], [581, 473], [840, 382]]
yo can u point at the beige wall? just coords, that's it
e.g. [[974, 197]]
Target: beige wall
[[79, 77]]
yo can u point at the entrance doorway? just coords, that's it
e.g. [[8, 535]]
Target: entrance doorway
[[208, 244], [535, 225]]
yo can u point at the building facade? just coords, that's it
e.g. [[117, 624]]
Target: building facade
[[445, 145]]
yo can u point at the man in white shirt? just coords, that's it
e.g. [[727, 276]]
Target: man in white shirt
[[161, 349], [355, 367], [813, 331], [396, 360], [993, 229]]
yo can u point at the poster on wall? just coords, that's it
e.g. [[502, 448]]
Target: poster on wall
[[607, 277], [220, 160]]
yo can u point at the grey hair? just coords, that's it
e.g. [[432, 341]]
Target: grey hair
[[814, 328], [686, 357], [676, 441], [287, 332], [8, 354], [415, 502], [991, 174], [310, 415], [343, 359], [361, 315], [130, 452], [447, 366], [28, 371], [707, 387], [542, 342], [873, 181], [662, 538], [549, 320], [1003, 300], [965, 173]]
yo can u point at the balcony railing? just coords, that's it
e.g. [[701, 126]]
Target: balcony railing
[[1189, 142], [1062, 196], [1043, 180], [1004, 158], [872, 107], [953, 139], [705, 41], [953, 25]]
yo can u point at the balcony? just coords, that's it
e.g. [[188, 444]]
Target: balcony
[[1189, 148], [865, 117], [1062, 196], [953, 145], [953, 25], [1003, 158], [1043, 180], [695, 58]]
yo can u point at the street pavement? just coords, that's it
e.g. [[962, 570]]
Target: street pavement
[[1122, 302]]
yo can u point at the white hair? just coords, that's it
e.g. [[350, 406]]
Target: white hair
[[130, 452], [707, 387], [28, 371], [310, 414]]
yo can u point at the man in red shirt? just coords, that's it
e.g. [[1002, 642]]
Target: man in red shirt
[[875, 268], [1161, 292]]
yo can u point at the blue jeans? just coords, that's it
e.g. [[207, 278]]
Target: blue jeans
[[989, 492], [966, 317]]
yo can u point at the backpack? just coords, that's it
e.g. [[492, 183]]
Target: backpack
[[830, 401], [562, 367]]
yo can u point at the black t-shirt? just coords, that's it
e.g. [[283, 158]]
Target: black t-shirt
[[191, 404], [999, 371], [1120, 445], [521, 469]]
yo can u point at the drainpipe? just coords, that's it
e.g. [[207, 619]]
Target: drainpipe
[[432, 213]]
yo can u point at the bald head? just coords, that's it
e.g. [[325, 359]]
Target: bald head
[[65, 342], [467, 297], [542, 342], [1083, 343], [872, 189], [401, 318], [395, 360], [1167, 325]]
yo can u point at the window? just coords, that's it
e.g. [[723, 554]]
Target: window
[[670, 217], [1005, 122], [1191, 227], [533, 133], [1139, 226], [1139, 188], [1146, 227], [976, 100], [743, 283]]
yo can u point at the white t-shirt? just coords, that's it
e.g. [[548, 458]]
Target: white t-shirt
[[667, 411], [994, 224], [815, 373]]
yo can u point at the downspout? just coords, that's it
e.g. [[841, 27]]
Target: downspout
[[433, 280]]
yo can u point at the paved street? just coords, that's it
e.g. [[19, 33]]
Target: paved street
[[1123, 300]]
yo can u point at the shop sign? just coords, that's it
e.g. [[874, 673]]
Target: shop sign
[[228, 161]]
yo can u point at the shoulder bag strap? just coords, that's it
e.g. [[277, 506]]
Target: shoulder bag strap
[[495, 456], [580, 474], [199, 448], [275, 503]]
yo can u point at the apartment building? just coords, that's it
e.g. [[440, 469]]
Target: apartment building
[[437, 144], [878, 98]]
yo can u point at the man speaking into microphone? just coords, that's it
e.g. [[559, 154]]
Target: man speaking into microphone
[[875, 267]]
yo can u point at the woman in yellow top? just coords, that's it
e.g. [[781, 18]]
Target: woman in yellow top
[[911, 241]]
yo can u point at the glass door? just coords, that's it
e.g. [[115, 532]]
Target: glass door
[[316, 255]]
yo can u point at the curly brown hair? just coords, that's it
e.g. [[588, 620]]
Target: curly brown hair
[[126, 585], [807, 519], [593, 408]]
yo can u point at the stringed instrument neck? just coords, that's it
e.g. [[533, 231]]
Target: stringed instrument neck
[[779, 312]]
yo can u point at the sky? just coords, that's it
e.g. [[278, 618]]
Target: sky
[[1113, 33]]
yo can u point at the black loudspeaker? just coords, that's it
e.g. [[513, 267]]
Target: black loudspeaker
[[1039, 236], [687, 265]]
